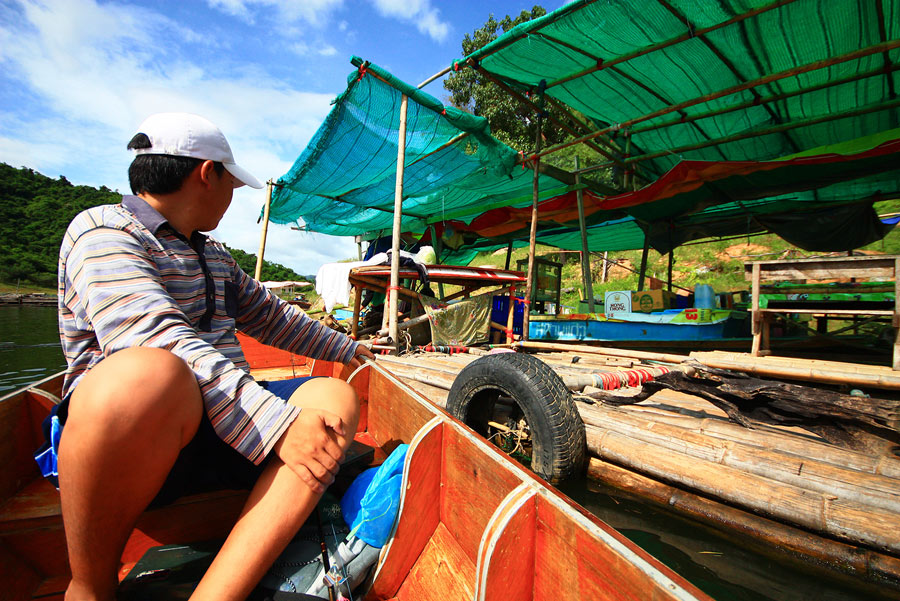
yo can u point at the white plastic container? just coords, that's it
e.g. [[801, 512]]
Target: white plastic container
[[704, 297]]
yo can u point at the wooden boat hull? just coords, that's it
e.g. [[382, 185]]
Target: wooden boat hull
[[473, 524]]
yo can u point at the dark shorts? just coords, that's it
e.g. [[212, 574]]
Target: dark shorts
[[207, 463]]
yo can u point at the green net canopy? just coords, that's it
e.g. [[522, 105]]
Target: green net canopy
[[344, 181], [712, 79]]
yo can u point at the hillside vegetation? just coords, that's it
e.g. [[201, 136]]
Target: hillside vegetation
[[34, 213]]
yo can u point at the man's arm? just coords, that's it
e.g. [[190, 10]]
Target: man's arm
[[114, 285], [273, 321]]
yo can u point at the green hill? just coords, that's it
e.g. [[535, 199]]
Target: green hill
[[719, 263], [34, 213]]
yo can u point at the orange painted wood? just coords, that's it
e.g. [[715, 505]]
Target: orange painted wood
[[474, 484], [360, 385], [209, 516], [17, 443], [419, 515], [443, 572], [394, 415], [17, 579], [262, 355], [32, 507], [511, 562], [51, 587]]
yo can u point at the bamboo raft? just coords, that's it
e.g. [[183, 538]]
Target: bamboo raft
[[789, 490]]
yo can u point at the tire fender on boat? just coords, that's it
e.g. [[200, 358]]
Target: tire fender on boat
[[556, 430]]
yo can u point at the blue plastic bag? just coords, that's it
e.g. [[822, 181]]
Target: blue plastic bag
[[371, 503]]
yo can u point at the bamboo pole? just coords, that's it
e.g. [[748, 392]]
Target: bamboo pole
[[265, 229], [772, 77], [532, 236], [585, 251], [601, 350], [760, 132], [392, 304], [510, 314], [810, 373], [762, 100]]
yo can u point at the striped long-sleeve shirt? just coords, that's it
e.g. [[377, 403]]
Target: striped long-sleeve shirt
[[127, 278]]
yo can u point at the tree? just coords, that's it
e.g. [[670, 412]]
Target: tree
[[512, 121]]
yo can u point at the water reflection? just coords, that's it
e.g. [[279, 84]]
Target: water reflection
[[29, 345]]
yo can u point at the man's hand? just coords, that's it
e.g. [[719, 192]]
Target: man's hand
[[361, 353], [310, 448]]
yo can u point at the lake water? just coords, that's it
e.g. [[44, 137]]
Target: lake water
[[721, 566]]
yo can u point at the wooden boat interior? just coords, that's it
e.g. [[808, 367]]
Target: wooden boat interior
[[472, 524]]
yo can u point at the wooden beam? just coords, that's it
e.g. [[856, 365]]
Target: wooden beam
[[532, 236]]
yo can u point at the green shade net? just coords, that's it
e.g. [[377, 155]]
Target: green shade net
[[641, 75], [344, 181]]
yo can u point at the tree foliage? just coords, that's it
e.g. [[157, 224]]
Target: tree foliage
[[512, 121], [34, 213]]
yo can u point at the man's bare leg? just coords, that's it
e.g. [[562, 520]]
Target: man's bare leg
[[278, 505], [128, 419]]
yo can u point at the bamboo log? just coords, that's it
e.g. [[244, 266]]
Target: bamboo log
[[767, 437], [809, 373], [532, 235], [767, 535], [392, 305], [257, 274], [601, 350], [820, 512], [801, 471], [585, 250]]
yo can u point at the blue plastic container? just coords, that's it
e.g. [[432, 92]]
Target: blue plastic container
[[500, 312], [704, 297]]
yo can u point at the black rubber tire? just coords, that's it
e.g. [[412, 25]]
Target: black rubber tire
[[557, 433]]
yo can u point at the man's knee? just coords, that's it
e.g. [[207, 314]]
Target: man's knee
[[142, 385], [330, 394]]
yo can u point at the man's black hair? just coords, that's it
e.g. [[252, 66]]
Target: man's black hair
[[159, 173]]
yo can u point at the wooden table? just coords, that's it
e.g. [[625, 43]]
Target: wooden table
[[885, 267], [377, 277]]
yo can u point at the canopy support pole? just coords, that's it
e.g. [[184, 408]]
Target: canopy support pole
[[671, 264], [438, 250], [508, 254], [644, 255], [585, 251], [395, 238], [532, 236], [265, 230]]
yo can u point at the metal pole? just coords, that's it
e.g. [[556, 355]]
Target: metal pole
[[585, 251], [265, 230], [395, 238]]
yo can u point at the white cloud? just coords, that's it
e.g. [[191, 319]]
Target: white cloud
[[94, 72], [426, 18], [313, 12]]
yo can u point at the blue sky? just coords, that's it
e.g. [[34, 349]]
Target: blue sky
[[78, 76]]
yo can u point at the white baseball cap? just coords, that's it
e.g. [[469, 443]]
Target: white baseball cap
[[187, 135]]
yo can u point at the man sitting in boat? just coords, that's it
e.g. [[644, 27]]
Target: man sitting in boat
[[157, 400]]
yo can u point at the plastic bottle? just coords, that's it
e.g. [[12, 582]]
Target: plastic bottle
[[704, 298]]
